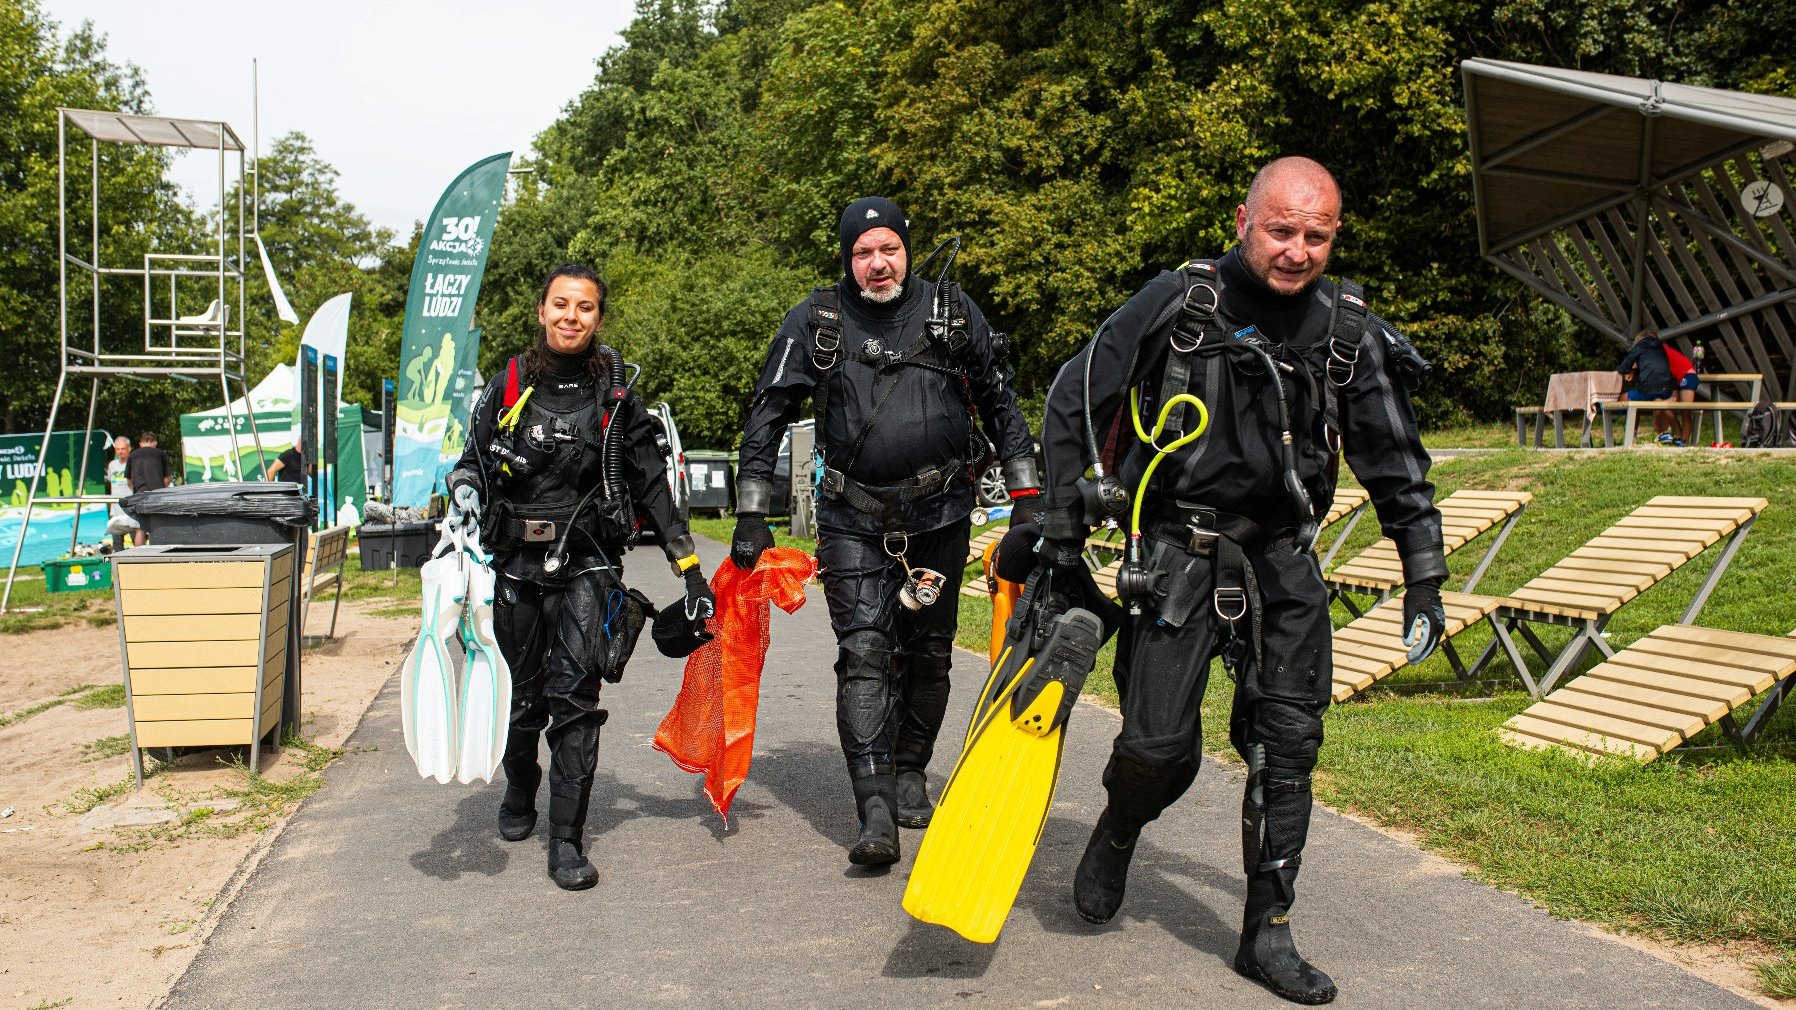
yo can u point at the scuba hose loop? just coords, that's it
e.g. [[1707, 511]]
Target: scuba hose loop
[[1161, 452]]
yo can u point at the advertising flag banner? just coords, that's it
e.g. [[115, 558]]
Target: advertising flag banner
[[439, 317]]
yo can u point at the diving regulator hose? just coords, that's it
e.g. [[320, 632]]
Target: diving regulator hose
[[1135, 582]]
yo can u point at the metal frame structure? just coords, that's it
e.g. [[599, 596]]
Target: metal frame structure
[[1621, 201], [173, 347]]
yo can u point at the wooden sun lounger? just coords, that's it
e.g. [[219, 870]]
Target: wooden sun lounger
[[1586, 589], [1377, 571], [1659, 692]]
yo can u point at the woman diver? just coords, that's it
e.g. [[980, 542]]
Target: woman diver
[[562, 472]]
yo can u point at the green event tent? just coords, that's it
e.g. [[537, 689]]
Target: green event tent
[[207, 453]]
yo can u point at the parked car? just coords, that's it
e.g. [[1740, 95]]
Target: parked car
[[667, 439]]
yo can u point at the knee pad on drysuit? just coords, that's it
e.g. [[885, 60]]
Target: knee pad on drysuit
[[1144, 778], [1280, 750], [573, 756], [923, 685], [864, 698]]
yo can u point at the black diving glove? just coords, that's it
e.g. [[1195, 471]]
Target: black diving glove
[[750, 538], [700, 603], [1025, 509], [1424, 618]]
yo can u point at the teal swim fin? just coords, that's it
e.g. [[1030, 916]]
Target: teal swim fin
[[484, 705], [989, 820], [428, 677]]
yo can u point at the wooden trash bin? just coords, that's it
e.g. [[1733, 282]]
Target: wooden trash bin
[[203, 633]]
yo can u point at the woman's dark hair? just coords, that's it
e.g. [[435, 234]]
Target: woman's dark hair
[[536, 359]]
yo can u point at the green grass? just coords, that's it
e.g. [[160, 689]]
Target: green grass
[[106, 747], [32, 607], [1472, 435], [1695, 847], [110, 696], [75, 694], [720, 530]]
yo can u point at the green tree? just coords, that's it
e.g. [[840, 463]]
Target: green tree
[[139, 211]]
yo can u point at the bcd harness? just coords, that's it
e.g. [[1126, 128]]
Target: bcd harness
[[941, 347], [1325, 367], [523, 450]]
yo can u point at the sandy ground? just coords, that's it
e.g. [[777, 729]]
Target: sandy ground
[[106, 908]]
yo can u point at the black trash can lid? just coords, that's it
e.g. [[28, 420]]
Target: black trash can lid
[[282, 501]]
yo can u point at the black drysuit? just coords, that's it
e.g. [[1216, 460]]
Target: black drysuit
[[552, 628], [1235, 468], [892, 666], [1653, 377]]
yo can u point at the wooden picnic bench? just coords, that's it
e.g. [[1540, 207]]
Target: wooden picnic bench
[[324, 570], [1632, 409]]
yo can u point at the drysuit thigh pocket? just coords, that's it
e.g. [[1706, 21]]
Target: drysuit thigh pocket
[[625, 611]]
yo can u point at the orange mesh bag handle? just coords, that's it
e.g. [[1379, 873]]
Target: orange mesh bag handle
[[711, 728]]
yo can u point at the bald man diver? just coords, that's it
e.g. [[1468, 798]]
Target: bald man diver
[[1292, 369]]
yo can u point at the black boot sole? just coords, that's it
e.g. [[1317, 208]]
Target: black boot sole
[[1250, 971], [915, 819], [873, 855], [518, 830], [574, 883]]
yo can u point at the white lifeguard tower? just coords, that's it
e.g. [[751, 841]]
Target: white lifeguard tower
[[192, 302]]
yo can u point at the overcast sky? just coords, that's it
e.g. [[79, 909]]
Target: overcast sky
[[399, 97]]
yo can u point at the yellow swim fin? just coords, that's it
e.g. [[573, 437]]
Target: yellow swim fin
[[990, 816]]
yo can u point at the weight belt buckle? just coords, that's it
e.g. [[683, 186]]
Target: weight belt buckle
[[833, 481], [1202, 526], [538, 531]]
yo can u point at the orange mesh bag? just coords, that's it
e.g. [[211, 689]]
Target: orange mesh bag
[[711, 729]]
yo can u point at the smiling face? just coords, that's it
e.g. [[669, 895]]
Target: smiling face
[[1287, 226], [879, 264], [570, 314]]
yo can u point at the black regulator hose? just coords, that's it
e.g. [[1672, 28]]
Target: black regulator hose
[[1300, 499]]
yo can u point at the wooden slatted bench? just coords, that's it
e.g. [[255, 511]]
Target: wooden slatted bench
[[1378, 570], [1585, 590], [1632, 409], [1659, 692], [976, 546], [324, 569], [1371, 648]]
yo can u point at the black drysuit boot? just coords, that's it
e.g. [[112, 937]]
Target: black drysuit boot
[[517, 814], [876, 798], [568, 865], [1103, 871], [914, 808], [1267, 953]]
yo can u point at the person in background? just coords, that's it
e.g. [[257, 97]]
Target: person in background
[[292, 463], [118, 485], [147, 468], [1647, 362], [1686, 377]]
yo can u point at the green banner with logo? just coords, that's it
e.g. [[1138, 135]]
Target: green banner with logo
[[464, 389], [18, 455], [439, 318]]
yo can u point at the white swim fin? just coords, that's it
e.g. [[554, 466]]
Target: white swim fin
[[485, 702], [428, 677]]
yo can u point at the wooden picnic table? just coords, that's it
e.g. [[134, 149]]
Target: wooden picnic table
[[1582, 392]]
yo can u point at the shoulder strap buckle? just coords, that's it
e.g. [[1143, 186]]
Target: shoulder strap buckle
[[826, 329], [1344, 332]]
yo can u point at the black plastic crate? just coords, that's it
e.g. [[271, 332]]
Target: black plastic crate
[[395, 545]]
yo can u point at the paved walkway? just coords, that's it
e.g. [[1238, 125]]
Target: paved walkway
[[390, 891]]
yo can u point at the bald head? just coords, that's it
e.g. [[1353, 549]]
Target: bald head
[[1287, 226], [1293, 176]]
